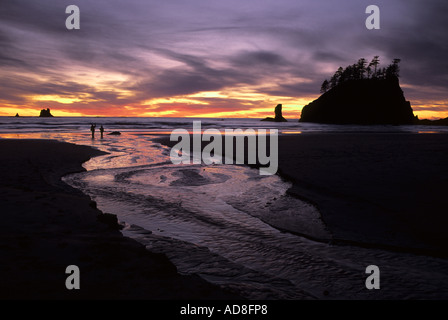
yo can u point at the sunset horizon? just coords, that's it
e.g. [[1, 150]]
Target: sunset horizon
[[208, 60]]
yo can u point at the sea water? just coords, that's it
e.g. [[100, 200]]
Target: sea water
[[226, 223]]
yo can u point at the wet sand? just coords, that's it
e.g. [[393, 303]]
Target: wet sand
[[47, 225], [374, 189], [385, 190]]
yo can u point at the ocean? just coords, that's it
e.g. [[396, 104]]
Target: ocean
[[166, 125], [227, 223]]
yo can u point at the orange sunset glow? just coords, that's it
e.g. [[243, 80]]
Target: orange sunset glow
[[180, 106]]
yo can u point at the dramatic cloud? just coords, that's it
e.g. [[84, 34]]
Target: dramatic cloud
[[200, 57]]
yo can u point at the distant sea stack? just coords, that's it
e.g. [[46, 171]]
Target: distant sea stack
[[361, 96], [45, 113], [427, 122], [278, 115]]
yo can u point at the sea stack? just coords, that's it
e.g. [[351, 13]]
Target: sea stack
[[278, 115], [45, 113], [364, 101]]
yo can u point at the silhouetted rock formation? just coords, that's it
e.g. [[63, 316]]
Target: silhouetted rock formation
[[427, 122], [17, 115], [110, 220], [363, 101], [114, 133], [278, 115], [45, 113]]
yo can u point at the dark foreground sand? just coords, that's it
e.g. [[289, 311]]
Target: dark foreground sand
[[46, 226], [384, 190], [374, 189]]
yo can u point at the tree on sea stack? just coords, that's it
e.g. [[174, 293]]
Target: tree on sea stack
[[361, 67], [325, 86], [393, 69], [375, 62]]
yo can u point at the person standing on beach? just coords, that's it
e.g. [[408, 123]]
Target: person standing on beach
[[92, 128], [101, 131]]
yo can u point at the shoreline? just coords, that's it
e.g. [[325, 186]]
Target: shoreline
[[48, 225]]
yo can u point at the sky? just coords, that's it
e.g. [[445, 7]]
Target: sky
[[209, 58]]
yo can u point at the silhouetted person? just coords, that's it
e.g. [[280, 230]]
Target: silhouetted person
[[101, 131], [92, 128]]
